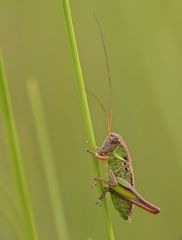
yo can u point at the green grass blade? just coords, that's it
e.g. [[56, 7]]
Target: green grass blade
[[48, 160], [7, 202], [9, 225], [84, 103], [15, 156]]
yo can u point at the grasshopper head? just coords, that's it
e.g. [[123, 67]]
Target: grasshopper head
[[112, 141]]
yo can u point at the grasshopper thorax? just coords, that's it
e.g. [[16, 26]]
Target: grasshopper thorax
[[112, 141]]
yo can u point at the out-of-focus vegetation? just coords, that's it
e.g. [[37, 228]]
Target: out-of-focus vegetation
[[144, 41]]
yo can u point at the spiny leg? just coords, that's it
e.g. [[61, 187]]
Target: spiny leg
[[105, 190], [105, 184], [102, 180], [96, 153], [101, 157], [112, 179], [98, 156]]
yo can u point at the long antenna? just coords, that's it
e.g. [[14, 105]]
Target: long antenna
[[99, 101], [108, 73]]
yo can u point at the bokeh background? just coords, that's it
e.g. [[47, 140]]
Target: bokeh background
[[144, 43]]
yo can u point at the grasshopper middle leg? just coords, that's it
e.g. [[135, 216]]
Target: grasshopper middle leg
[[111, 181], [106, 189], [104, 182]]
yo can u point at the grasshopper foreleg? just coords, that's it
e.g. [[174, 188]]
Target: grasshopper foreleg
[[97, 155], [101, 157]]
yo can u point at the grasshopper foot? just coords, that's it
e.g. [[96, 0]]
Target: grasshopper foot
[[98, 202], [91, 152], [94, 182]]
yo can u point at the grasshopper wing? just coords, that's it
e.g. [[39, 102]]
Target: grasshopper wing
[[126, 191]]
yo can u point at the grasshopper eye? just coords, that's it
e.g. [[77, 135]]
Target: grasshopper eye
[[114, 141]]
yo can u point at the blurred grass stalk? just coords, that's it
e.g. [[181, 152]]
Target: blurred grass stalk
[[48, 160], [84, 104], [15, 156]]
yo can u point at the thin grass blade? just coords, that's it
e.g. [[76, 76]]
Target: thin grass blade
[[48, 160], [15, 156]]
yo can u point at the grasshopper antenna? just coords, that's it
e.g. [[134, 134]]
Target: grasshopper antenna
[[109, 76], [99, 101]]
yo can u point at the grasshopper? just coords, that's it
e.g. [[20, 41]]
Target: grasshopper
[[120, 180]]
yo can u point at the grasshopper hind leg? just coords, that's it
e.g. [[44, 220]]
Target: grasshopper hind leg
[[111, 181], [105, 190], [104, 182]]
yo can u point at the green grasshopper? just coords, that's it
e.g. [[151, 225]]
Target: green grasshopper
[[120, 181]]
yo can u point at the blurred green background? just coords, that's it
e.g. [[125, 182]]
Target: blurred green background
[[144, 43]]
